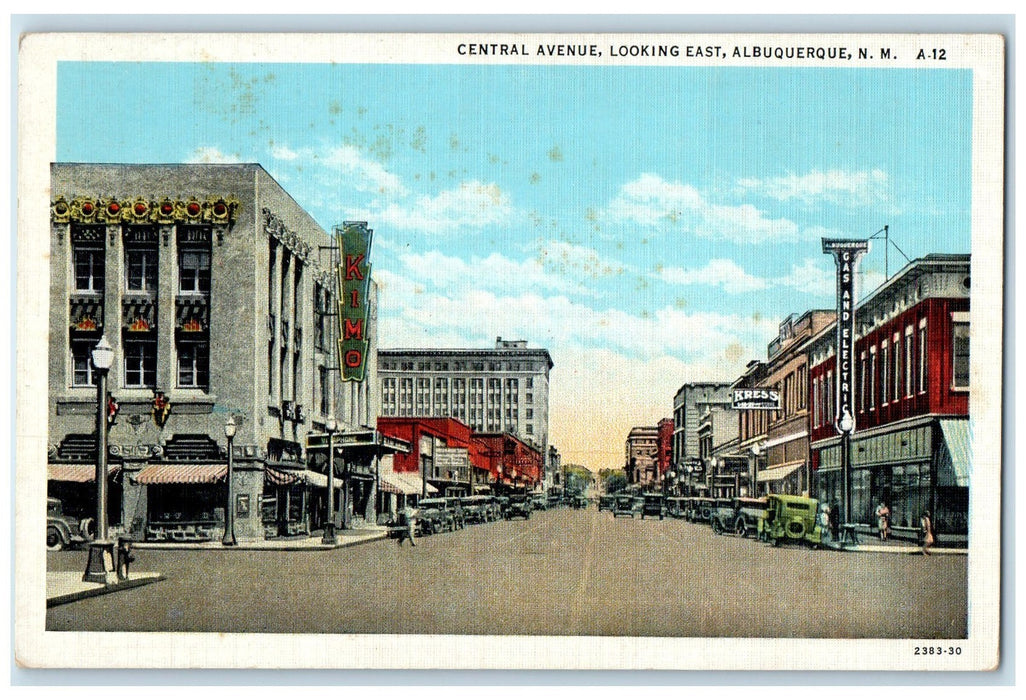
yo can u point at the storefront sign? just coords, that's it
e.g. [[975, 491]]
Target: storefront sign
[[353, 280], [453, 460], [758, 399], [846, 256]]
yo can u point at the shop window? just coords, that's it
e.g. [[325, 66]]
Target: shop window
[[82, 363], [194, 364], [140, 362], [960, 355], [89, 269]]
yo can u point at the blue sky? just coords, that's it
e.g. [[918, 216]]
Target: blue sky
[[650, 226]]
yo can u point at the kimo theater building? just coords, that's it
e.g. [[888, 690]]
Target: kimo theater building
[[911, 444], [216, 292]]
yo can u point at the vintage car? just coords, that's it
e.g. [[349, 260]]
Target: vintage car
[[519, 507], [790, 519], [503, 504], [433, 516], [455, 506], [477, 509], [578, 501], [739, 516], [653, 504], [606, 502], [624, 505], [700, 509], [539, 502], [64, 531], [676, 506]]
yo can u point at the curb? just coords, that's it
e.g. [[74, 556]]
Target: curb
[[260, 546], [99, 590]]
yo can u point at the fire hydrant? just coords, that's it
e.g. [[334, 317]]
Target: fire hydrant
[[125, 557]]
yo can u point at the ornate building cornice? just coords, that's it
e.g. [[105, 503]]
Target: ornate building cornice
[[276, 228], [213, 210]]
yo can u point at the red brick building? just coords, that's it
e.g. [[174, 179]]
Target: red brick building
[[511, 462], [911, 445], [442, 450]]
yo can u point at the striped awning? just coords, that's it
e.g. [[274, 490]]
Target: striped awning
[[283, 477], [401, 483], [78, 473], [955, 464], [182, 474]]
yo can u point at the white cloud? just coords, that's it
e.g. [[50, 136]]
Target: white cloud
[[211, 154], [853, 189], [343, 165], [470, 205], [717, 273], [652, 201], [495, 272], [576, 261]]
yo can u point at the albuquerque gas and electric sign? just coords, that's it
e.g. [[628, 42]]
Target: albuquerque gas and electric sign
[[846, 254], [353, 279]]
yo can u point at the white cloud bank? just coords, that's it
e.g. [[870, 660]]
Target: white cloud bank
[[837, 187]]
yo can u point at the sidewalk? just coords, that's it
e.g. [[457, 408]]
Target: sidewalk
[[346, 538], [67, 586], [868, 543]]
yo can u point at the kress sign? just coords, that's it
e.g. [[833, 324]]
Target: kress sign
[[353, 281]]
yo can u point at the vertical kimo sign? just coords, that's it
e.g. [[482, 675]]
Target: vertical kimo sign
[[353, 278], [846, 254]]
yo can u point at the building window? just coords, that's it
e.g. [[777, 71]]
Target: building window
[[387, 388], [529, 398], [82, 362], [885, 378], [140, 362], [872, 378], [194, 271], [863, 369], [960, 355], [922, 356], [896, 351], [194, 364], [89, 269], [910, 363], [141, 269]]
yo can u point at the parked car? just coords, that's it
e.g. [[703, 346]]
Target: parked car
[[539, 502], [606, 502], [675, 506], [790, 519], [476, 509], [700, 509], [64, 531], [749, 511], [433, 516], [624, 505], [503, 503], [653, 504], [519, 507], [454, 505]]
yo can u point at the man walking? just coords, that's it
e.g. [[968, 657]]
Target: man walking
[[408, 524]]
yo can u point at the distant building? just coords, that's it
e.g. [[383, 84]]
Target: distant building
[[689, 404], [496, 390], [641, 453], [911, 444], [213, 287]]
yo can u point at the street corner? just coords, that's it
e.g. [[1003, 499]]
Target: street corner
[[64, 587]]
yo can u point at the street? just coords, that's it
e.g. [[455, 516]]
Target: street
[[562, 572]]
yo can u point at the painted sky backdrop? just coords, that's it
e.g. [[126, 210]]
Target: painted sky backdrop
[[649, 226]]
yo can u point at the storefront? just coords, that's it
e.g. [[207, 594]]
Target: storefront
[[75, 486], [184, 502], [924, 466]]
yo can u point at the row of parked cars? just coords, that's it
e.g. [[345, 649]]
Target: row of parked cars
[[450, 513], [776, 518]]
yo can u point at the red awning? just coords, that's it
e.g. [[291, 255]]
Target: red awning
[[182, 474], [279, 477], [79, 473]]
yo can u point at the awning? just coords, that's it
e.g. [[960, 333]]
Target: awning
[[779, 472], [782, 439], [284, 477], [78, 473], [182, 474], [402, 483], [955, 464]]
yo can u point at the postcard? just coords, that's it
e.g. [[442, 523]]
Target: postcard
[[510, 351]]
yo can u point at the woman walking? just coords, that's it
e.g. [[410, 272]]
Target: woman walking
[[926, 526], [883, 520]]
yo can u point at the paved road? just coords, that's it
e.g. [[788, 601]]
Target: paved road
[[563, 572]]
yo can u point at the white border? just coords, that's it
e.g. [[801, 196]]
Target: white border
[[36, 139]]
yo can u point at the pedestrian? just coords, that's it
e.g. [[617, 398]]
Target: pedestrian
[[926, 528], [835, 521], [883, 520], [824, 523], [408, 526]]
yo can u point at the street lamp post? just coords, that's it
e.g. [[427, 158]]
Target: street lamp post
[[847, 425], [100, 566], [753, 478], [329, 521], [228, 540]]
